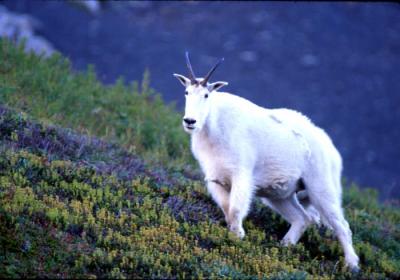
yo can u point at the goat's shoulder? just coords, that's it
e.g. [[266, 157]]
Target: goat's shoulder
[[233, 108], [225, 99]]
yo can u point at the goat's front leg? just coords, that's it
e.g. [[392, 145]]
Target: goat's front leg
[[239, 203], [220, 196]]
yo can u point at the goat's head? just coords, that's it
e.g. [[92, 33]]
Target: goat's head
[[198, 93]]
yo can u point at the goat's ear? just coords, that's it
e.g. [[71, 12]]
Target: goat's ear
[[216, 86], [184, 81]]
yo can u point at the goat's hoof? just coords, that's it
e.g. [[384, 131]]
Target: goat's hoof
[[355, 270], [286, 242], [238, 231], [352, 264]]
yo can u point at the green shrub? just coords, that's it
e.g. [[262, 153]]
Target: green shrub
[[134, 115], [73, 206]]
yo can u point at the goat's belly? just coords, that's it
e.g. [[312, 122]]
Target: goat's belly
[[277, 189], [276, 178]]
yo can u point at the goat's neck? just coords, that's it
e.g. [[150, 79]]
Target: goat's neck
[[204, 134], [210, 132]]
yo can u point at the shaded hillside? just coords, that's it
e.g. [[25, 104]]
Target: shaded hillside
[[335, 62], [133, 115], [73, 205]]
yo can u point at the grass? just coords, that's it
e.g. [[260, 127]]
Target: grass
[[94, 201], [133, 115]]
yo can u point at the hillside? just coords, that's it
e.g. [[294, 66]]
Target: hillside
[[117, 195]]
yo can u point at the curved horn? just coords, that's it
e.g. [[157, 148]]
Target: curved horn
[[207, 77], [192, 76]]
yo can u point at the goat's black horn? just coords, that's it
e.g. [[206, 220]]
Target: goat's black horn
[[207, 77], [192, 76]]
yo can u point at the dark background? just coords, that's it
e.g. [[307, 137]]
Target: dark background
[[338, 63]]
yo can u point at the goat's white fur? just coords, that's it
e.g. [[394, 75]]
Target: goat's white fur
[[246, 150]]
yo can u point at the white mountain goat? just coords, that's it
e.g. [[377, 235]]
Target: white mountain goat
[[279, 155]]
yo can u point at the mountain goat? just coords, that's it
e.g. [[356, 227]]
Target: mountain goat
[[279, 155]]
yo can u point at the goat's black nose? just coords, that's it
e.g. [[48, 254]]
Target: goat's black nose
[[189, 121]]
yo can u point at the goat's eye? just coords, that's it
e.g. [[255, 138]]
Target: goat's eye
[[206, 95], [186, 92]]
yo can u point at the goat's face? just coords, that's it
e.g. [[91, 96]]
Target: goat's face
[[198, 102]]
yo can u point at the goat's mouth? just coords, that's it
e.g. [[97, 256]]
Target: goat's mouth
[[188, 127]]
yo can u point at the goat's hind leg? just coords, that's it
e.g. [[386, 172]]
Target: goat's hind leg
[[328, 203], [294, 213]]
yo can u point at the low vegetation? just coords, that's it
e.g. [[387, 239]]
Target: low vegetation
[[100, 201], [133, 115]]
